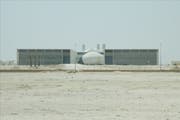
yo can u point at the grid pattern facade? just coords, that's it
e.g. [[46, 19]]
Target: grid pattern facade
[[131, 56], [44, 56]]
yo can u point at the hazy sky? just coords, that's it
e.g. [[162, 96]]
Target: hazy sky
[[117, 23]]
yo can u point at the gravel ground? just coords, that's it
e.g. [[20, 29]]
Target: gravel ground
[[90, 96]]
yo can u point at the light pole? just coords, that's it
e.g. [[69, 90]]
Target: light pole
[[75, 58], [160, 56]]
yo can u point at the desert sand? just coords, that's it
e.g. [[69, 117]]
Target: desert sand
[[90, 96]]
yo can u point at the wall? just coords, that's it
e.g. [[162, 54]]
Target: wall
[[43, 56], [131, 56]]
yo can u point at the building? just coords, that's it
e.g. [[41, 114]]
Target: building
[[45, 56], [131, 56], [68, 56]]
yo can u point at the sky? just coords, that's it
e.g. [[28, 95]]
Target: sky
[[120, 24]]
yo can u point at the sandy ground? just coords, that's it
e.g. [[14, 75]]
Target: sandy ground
[[90, 96]]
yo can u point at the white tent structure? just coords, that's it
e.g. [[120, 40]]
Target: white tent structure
[[93, 57]]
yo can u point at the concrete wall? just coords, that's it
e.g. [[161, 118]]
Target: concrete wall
[[131, 56], [73, 56], [44, 56]]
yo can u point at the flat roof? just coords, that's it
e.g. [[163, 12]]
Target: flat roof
[[134, 49], [44, 49]]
